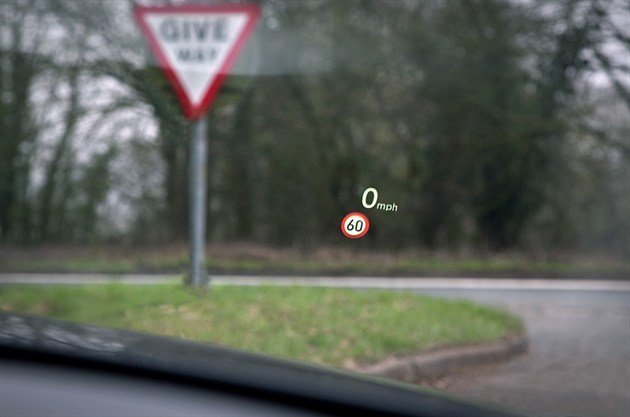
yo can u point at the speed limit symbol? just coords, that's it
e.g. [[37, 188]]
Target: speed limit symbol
[[355, 225]]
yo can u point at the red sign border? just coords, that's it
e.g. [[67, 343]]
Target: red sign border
[[367, 225], [191, 111]]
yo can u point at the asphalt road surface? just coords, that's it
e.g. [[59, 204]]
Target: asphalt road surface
[[578, 363]]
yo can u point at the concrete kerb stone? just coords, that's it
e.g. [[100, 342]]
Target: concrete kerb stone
[[437, 364]]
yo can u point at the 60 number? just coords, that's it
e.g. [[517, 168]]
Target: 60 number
[[351, 227]]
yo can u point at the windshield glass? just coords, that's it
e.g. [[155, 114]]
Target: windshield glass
[[336, 182]]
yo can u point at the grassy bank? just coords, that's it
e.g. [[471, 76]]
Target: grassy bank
[[330, 326], [252, 259]]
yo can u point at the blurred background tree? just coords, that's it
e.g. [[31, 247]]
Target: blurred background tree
[[492, 124]]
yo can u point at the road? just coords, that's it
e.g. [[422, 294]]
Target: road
[[579, 358]]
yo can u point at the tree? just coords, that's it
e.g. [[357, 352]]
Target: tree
[[19, 66]]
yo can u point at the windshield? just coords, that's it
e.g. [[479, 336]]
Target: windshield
[[344, 183]]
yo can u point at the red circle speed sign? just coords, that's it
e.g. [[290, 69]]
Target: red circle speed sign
[[355, 225]]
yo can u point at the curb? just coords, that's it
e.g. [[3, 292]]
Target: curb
[[434, 365]]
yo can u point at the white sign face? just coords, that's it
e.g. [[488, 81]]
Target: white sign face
[[196, 46], [355, 225]]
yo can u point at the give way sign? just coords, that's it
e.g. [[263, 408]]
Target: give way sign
[[196, 46]]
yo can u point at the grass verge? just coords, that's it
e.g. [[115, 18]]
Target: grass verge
[[257, 259], [337, 327]]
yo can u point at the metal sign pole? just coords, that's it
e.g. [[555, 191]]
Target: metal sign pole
[[197, 184], [180, 57]]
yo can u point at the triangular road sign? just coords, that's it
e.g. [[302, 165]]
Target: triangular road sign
[[196, 46]]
